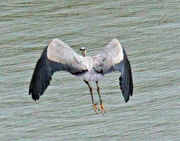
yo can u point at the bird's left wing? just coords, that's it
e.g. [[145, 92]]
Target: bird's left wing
[[113, 58], [57, 56]]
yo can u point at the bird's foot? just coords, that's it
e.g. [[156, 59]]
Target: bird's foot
[[102, 108], [94, 105]]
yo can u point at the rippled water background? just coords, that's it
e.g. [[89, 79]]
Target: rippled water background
[[148, 30]]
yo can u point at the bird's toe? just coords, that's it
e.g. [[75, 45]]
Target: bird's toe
[[94, 105], [102, 108]]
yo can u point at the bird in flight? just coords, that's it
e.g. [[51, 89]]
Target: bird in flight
[[58, 56]]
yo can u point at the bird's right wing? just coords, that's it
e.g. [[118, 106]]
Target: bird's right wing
[[113, 58], [57, 56]]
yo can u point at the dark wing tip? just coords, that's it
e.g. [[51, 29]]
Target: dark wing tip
[[34, 96], [126, 84], [41, 77], [126, 81]]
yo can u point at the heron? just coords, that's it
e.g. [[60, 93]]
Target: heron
[[58, 56]]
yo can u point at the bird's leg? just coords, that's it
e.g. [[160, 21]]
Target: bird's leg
[[101, 105], [94, 105]]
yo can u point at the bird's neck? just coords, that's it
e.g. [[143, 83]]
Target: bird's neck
[[84, 54]]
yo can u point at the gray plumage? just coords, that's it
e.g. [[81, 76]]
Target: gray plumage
[[58, 56]]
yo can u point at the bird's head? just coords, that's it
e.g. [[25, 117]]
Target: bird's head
[[83, 51]]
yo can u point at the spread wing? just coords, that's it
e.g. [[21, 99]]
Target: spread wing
[[113, 58], [57, 56]]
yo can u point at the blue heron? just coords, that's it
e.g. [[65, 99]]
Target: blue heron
[[58, 56]]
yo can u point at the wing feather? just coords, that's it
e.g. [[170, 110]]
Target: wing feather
[[41, 77], [110, 56], [113, 58], [60, 52], [56, 57], [125, 80]]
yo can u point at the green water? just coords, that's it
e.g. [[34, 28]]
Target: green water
[[148, 30]]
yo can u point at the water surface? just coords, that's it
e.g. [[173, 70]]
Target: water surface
[[148, 30]]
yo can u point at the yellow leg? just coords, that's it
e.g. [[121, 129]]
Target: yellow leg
[[101, 105], [94, 105]]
